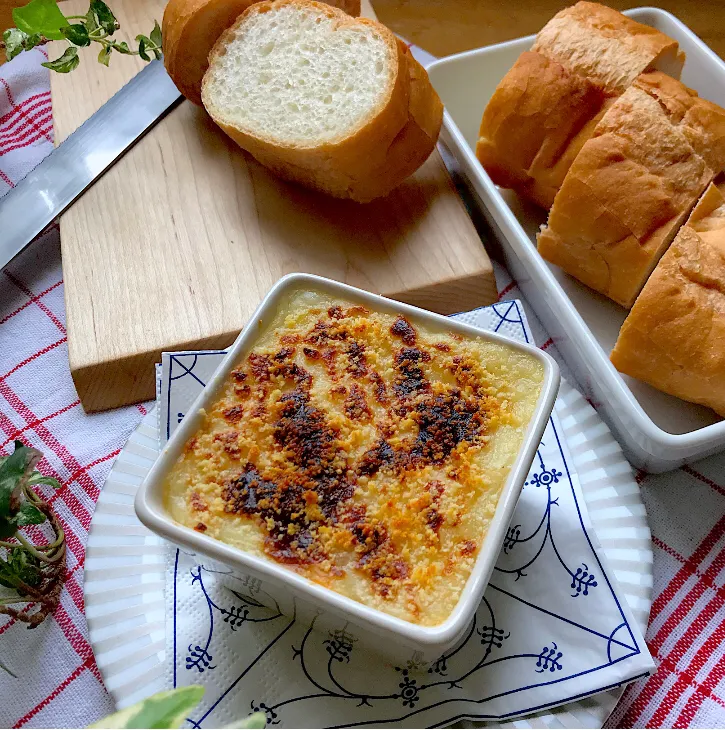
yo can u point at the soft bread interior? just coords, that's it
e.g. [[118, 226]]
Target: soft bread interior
[[298, 75]]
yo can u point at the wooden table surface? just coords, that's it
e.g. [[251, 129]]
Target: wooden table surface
[[443, 27]]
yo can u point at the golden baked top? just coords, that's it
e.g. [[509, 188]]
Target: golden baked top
[[361, 450]]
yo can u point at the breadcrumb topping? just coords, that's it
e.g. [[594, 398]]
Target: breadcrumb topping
[[362, 451]]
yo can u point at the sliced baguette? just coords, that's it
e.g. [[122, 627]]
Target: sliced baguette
[[334, 103], [606, 47], [190, 28], [708, 216], [625, 197], [532, 121], [633, 185], [550, 102], [700, 120], [673, 337]]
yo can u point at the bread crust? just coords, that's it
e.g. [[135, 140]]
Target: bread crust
[[532, 122], [373, 159], [190, 28], [606, 46], [673, 337], [708, 216], [701, 121], [624, 199], [550, 102]]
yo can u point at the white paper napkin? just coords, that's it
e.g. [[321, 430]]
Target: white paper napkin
[[552, 627]]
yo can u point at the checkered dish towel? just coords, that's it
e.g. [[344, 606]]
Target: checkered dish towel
[[60, 685]]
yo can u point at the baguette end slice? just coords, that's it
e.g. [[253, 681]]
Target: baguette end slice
[[190, 28], [672, 337], [322, 99]]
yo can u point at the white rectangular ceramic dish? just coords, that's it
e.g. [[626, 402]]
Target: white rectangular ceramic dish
[[295, 593], [657, 431]]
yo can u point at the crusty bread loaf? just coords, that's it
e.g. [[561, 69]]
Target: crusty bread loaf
[[708, 216], [550, 102], [673, 337], [532, 121], [335, 103], [190, 28], [606, 47], [633, 185], [701, 121]]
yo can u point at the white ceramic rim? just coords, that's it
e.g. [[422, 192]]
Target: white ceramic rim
[[705, 437], [151, 511]]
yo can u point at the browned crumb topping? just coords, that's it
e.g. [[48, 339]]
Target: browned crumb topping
[[351, 442]]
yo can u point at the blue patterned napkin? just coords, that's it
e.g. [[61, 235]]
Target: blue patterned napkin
[[550, 629]]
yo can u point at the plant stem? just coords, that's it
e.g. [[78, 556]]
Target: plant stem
[[11, 598], [8, 670], [33, 550]]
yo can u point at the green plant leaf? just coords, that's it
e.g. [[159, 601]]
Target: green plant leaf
[[42, 17], [91, 22], [122, 47], [29, 514], [20, 566], [7, 527], [14, 41], [106, 19], [156, 34], [143, 41], [66, 63], [7, 669], [37, 478], [256, 720], [104, 55], [163, 710], [11, 471], [76, 34]]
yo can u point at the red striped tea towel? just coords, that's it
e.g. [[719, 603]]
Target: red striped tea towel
[[61, 685]]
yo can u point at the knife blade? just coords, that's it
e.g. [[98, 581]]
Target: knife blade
[[70, 169]]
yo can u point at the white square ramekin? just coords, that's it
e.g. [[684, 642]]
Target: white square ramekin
[[292, 593], [658, 432]]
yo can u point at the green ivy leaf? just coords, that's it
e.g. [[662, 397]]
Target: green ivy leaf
[[77, 34], [20, 566], [122, 47], [106, 19], [7, 527], [14, 41], [256, 720], [143, 41], [91, 22], [163, 710], [66, 63], [37, 478], [156, 34], [29, 514], [104, 55], [11, 471], [41, 17]]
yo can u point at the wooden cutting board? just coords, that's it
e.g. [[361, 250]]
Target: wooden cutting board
[[177, 244]]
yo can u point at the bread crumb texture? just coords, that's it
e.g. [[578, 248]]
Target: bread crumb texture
[[361, 450], [300, 74]]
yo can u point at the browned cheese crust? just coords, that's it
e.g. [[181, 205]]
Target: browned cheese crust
[[361, 451]]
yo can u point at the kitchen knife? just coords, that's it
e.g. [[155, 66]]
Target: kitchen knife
[[62, 177]]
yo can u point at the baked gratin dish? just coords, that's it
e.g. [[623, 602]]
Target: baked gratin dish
[[361, 449]]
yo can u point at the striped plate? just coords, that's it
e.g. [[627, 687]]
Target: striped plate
[[125, 565]]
